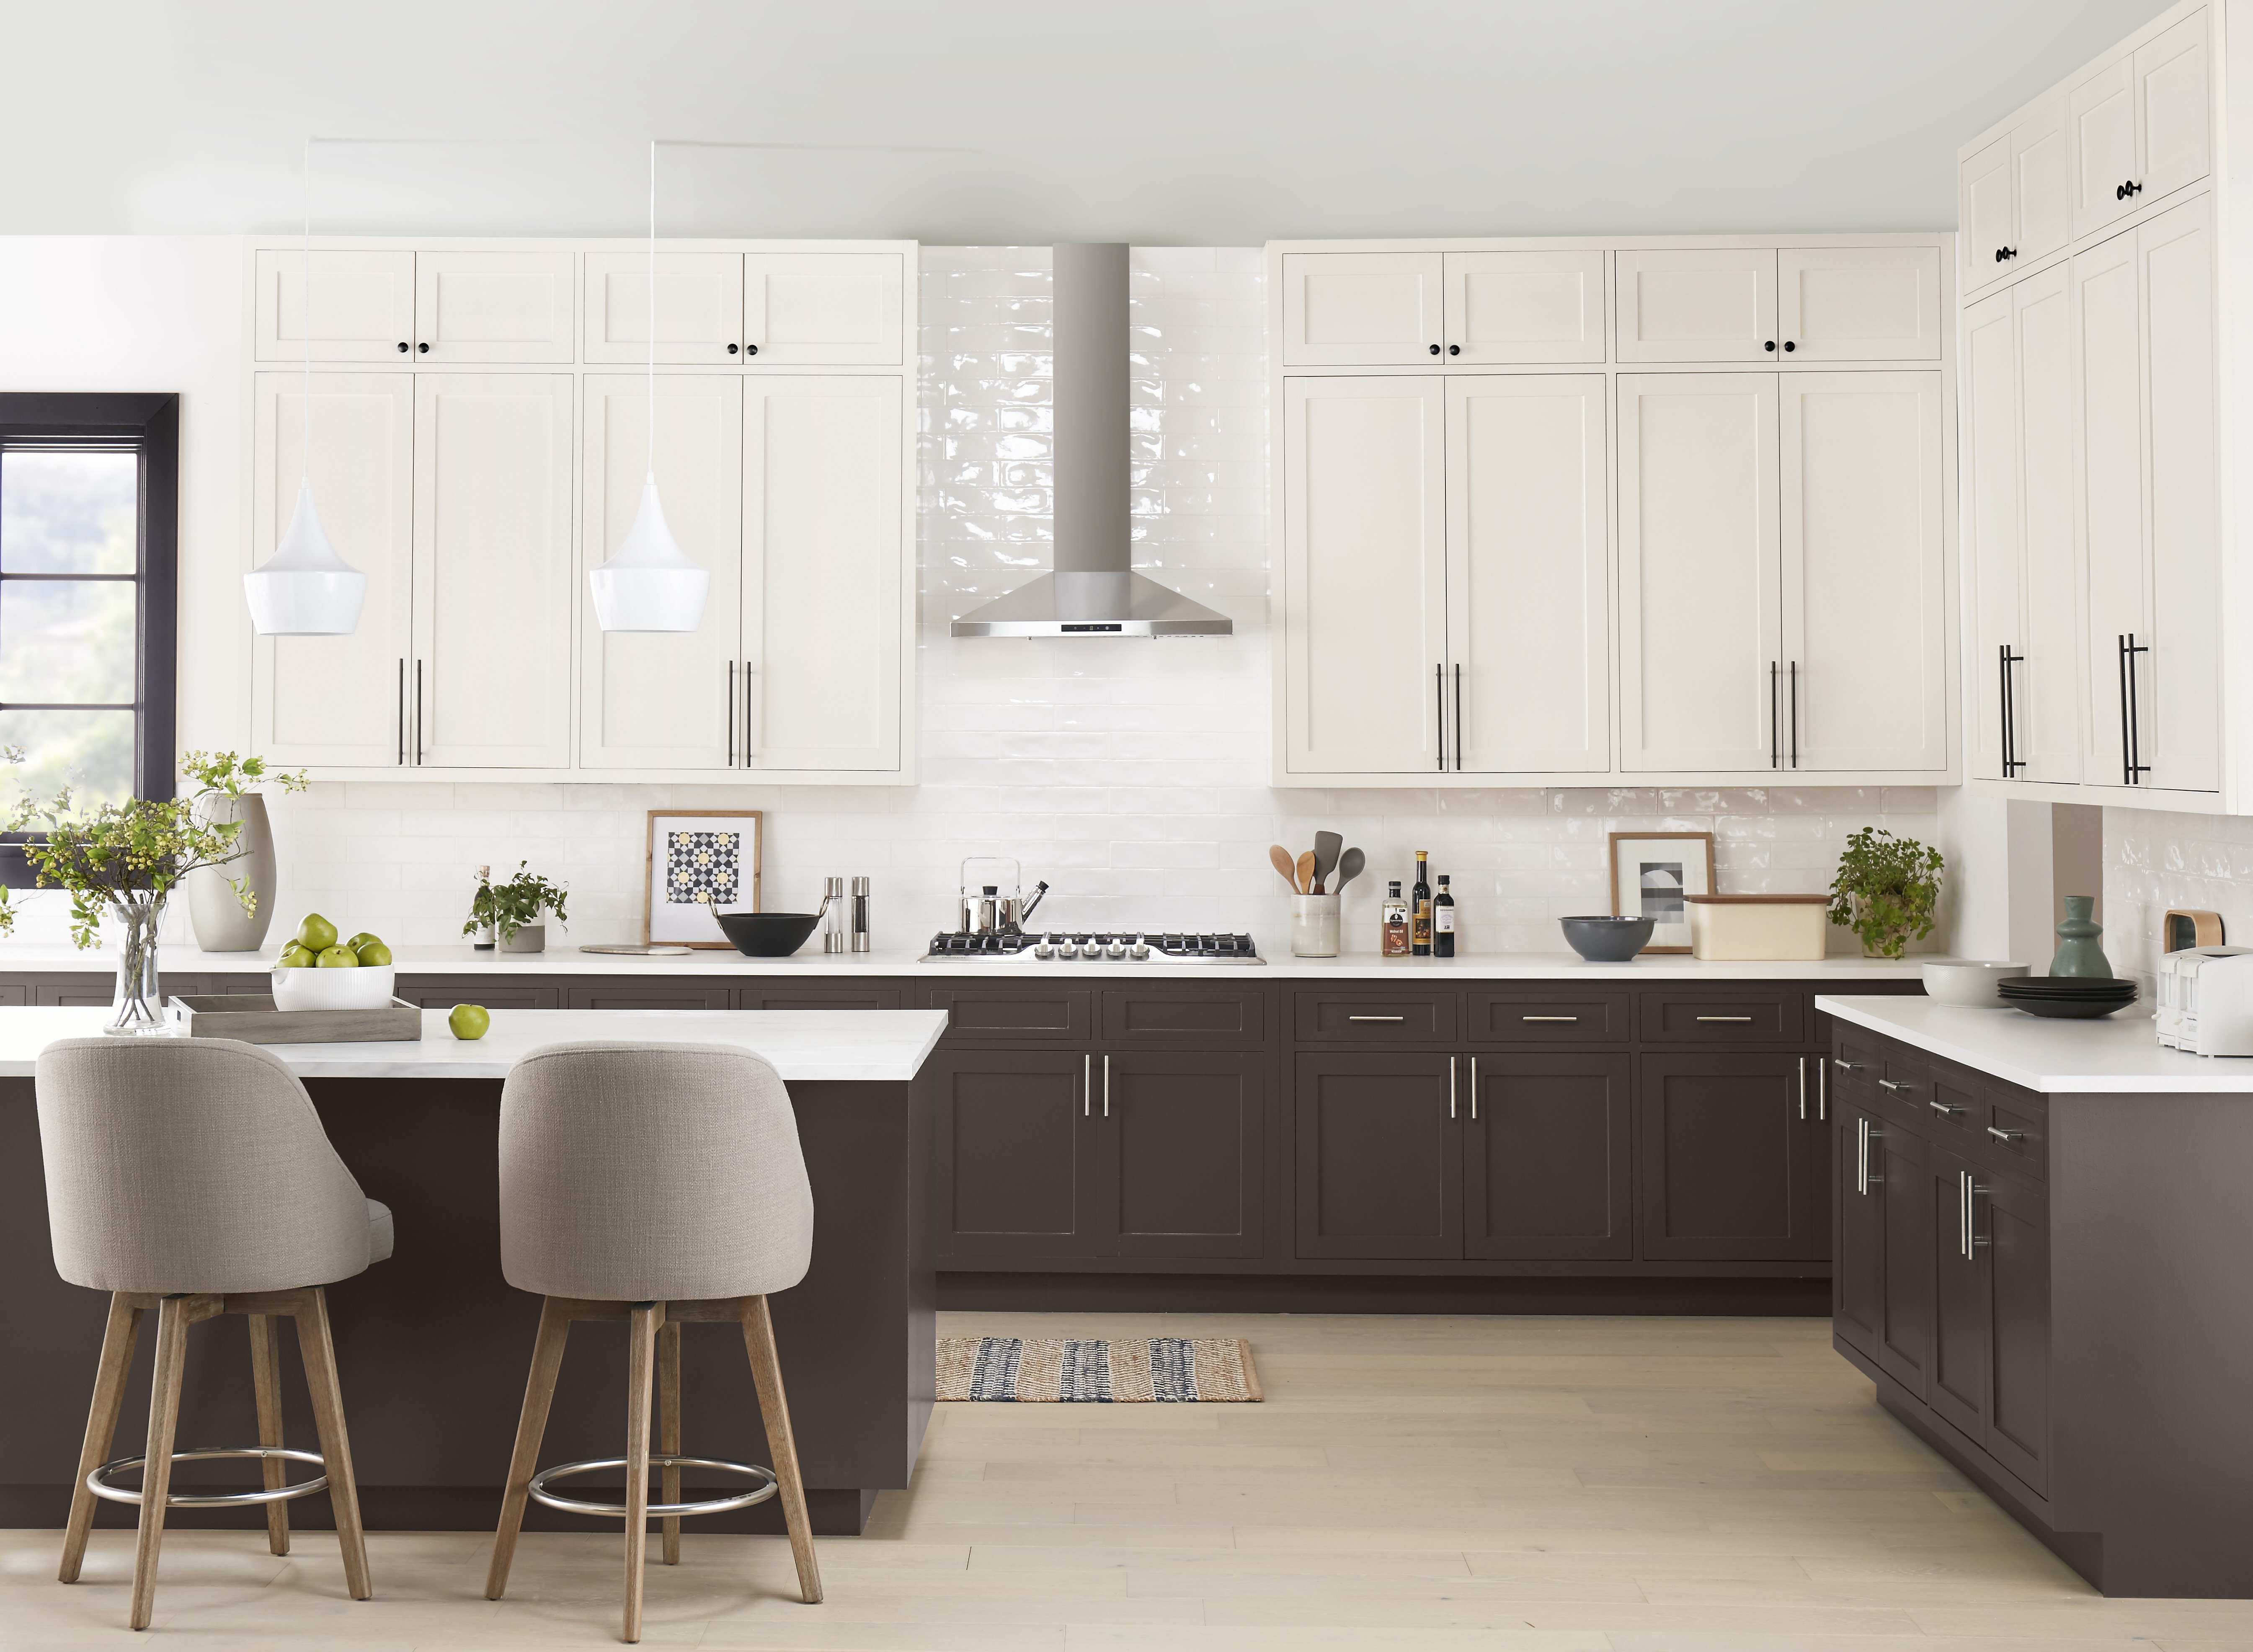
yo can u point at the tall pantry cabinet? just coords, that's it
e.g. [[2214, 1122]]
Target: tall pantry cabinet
[[503, 453], [2098, 578], [1676, 511]]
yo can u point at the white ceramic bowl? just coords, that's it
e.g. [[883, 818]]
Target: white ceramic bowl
[[365, 987], [1957, 980]]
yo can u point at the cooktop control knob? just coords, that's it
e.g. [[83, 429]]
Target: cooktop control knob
[[1043, 950], [1141, 950], [1118, 949]]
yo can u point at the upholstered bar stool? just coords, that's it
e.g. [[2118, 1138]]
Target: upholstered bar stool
[[660, 1184], [192, 1177]]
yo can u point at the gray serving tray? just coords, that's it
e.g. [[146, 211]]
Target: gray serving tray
[[252, 1018]]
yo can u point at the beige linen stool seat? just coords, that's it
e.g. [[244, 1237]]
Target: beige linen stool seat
[[657, 1184], [192, 1177]]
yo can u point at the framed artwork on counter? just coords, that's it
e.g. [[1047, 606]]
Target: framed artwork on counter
[[698, 864], [1652, 872]]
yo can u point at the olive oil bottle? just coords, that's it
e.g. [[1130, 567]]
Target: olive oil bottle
[[1419, 909]]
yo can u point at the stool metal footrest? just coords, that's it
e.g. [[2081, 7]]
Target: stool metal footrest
[[766, 1487], [98, 1481]]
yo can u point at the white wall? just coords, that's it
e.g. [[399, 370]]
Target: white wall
[[2155, 860], [1129, 775]]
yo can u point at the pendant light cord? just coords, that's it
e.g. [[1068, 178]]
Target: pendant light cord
[[305, 440], [651, 284]]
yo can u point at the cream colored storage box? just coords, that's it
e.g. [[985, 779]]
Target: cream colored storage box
[[1762, 926]]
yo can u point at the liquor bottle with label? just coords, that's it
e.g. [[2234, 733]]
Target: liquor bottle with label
[[1395, 939], [1419, 909], [1443, 921]]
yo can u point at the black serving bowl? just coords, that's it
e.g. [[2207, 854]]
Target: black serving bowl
[[1606, 940], [767, 934]]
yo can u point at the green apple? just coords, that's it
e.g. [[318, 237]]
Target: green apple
[[293, 956], [373, 953], [468, 1020], [336, 958], [315, 933], [365, 938]]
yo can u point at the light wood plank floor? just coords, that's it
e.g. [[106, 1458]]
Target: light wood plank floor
[[1571, 1485]]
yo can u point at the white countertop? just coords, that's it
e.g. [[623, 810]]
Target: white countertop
[[804, 1045], [2112, 1054], [565, 959]]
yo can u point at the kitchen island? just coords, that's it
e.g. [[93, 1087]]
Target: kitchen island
[[2041, 1235], [433, 1343]]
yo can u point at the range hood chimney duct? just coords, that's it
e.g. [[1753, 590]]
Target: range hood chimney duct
[[1094, 590]]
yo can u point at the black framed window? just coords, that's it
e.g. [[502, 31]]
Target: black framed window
[[89, 530]]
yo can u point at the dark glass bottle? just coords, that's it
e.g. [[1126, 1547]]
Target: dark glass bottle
[[1443, 921], [1419, 909]]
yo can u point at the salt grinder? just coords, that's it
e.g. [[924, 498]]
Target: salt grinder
[[859, 914], [833, 922]]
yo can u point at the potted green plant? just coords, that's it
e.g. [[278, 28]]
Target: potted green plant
[[124, 861], [1887, 891], [512, 912], [227, 792]]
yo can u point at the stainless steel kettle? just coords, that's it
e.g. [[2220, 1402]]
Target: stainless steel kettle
[[996, 908]]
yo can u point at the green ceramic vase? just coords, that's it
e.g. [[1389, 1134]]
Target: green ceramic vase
[[2080, 952]]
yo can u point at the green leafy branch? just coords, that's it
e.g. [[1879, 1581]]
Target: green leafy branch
[[507, 908], [1887, 891]]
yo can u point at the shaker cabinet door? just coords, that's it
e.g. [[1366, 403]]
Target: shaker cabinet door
[[2013, 1217], [1548, 1168], [360, 307], [1986, 216], [1180, 1161], [1988, 483], [1858, 304], [1899, 1167], [1378, 1153], [2045, 691], [2108, 423], [1958, 1390], [1692, 303], [2174, 110], [1531, 306], [697, 309], [493, 307], [1858, 1230], [1726, 1164], [1362, 310], [1015, 1165], [2108, 156], [828, 309], [338, 700]]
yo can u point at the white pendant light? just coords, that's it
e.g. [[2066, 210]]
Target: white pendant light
[[306, 589], [650, 583]]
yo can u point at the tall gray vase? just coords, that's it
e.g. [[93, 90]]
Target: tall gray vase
[[222, 926]]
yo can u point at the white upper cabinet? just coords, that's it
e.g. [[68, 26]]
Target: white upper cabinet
[[699, 308], [1858, 304], [663, 699], [2108, 328], [1364, 575], [1696, 304], [494, 582], [821, 583], [1988, 486], [2014, 200], [361, 309], [1527, 585], [1864, 633], [821, 309], [1700, 645], [483, 307], [2142, 127], [1532, 306], [338, 700], [1362, 310]]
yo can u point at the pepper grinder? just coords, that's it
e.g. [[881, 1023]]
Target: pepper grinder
[[859, 914], [832, 921]]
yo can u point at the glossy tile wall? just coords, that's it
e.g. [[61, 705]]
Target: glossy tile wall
[[1129, 775], [2154, 859]]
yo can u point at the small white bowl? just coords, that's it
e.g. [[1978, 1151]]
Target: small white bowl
[[363, 988], [1956, 981]]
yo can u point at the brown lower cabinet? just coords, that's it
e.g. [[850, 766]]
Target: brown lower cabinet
[[1548, 1173], [1380, 1152], [1734, 1158]]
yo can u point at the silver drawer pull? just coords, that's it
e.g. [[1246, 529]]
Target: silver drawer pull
[[1548, 1018], [2007, 1135], [1942, 1107], [1377, 1018], [1845, 1066], [1896, 1086], [1725, 1018]]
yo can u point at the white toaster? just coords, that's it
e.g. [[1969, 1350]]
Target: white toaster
[[2206, 1000]]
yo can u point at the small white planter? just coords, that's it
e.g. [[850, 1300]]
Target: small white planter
[[365, 987]]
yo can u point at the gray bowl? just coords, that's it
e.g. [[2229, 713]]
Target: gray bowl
[[1606, 940], [767, 934]]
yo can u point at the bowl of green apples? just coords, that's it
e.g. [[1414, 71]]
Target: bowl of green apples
[[317, 971]]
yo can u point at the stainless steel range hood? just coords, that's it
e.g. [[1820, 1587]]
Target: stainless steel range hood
[[1094, 590]]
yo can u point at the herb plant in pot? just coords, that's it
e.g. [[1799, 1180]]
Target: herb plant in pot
[[1887, 891], [511, 913], [228, 794]]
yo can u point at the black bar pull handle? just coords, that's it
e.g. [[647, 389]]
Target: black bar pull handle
[[1440, 705], [1794, 714], [2133, 738], [403, 700], [1775, 712], [1459, 719], [2005, 660], [418, 713], [732, 705]]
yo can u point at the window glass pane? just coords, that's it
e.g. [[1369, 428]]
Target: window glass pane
[[66, 641], [68, 512], [90, 751]]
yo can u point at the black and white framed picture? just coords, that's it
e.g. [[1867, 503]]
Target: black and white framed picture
[[1652, 873], [698, 864]]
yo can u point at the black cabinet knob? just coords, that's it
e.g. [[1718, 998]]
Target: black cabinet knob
[[2127, 189], [750, 349], [1789, 346], [1454, 350], [402, 347], [1435, 350], [731, 350], [1769, 346], [425, 349]]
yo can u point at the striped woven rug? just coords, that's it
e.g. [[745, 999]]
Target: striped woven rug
[[1169, 1369]]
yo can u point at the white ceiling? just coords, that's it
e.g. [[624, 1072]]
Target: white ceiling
[[1181, 122]]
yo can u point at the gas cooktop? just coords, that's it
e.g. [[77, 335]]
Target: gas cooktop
[[1123, 946]]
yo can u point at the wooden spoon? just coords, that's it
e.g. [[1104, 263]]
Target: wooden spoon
[[1280, 858], [1304, 882]]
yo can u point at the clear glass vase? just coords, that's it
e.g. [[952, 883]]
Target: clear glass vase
[[138, 1004]]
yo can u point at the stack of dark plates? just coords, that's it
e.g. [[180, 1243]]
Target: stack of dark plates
[[2067, 997]]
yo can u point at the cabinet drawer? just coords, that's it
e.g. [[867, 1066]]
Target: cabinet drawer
[[1749, 1018], [2013, 1131], [1042, 1014], [839, 997], [1902, 1087], [1376, 1018], [1954, 1102], [640, 997], [1520, 1018], [1186, 1018], [439, 992]]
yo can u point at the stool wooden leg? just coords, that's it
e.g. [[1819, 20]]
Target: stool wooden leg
[[532, 1426], [156, 1473], [668, 1429], [266, 1384], [117, 1339], [320, 1357], [641, 1348], [774, 1411]]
